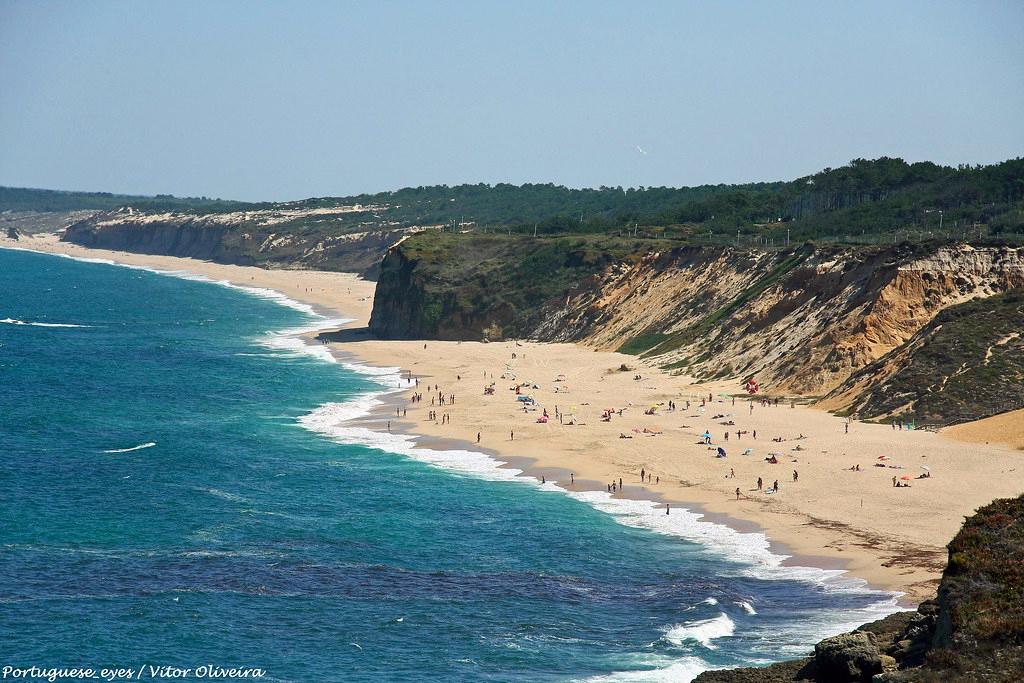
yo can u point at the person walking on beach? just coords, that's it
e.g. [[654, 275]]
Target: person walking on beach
[[737, 493], [511, 436], [796, 475], [478, 437], [775, 486], [643, 473], [620, 483], [759, 483], [572, 479], [389, 430], [666, 508]]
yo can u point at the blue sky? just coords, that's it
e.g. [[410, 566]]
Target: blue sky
[[258, 100]]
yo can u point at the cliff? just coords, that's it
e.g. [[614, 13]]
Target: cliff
[[965, 364], [973, 631], [811, 320], [280, 238]]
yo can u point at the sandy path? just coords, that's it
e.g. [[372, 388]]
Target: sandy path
[[892, 537]]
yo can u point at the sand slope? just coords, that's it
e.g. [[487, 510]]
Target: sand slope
[[1006, 429]]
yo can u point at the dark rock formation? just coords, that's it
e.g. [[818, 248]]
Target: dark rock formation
[[848, 657]]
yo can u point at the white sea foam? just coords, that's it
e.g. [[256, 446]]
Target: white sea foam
[[148, 444], [746, 607], [703, 631], [14, 321], [677, 671], [226, 495], [290, 340], [750, 551]]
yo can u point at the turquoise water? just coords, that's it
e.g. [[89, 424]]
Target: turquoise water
[[249, 527]]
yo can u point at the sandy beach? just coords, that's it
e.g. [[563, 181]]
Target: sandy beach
[[828, 514]]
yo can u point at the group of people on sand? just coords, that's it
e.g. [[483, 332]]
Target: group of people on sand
[[645, 478]]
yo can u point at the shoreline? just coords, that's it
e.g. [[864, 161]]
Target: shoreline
[[828, 542]]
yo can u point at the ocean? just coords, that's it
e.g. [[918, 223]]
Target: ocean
[[181, 488]]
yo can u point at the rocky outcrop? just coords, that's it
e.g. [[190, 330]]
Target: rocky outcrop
[[973, 631], [850, 657]]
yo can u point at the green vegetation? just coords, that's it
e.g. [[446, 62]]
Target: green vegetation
[[863, 202], [638, 345], [453, 286], [980, 634], [986, 575], [25, 199]]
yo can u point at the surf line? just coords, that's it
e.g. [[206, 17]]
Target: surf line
[[148, 444]]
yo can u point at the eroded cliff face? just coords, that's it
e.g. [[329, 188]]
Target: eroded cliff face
[[800, 321], [966, 363], [265, 238]]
